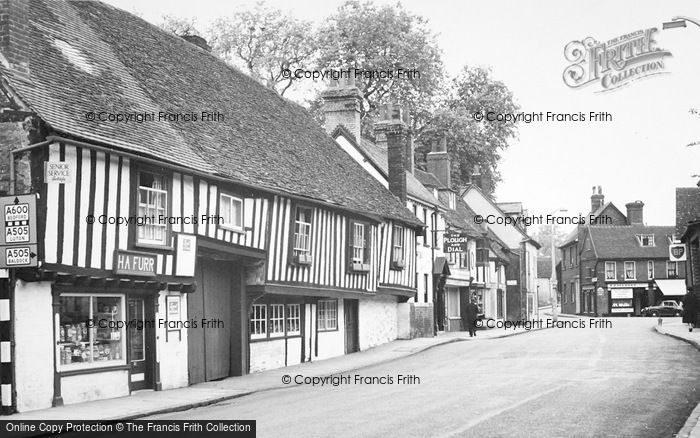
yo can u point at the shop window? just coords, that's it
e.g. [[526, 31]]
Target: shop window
[[152, 203], [301, 249], [671, 271], [610, 272], [81, 346], [397, 245], [231, 212], [453, 303], [293, 319], [276, 320], [650, 269], [258, 321], [630, 271], [327, 315]]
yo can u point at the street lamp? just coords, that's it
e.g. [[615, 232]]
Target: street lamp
[[553, 278], [679, 22]]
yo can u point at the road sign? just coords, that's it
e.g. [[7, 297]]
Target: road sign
[[18, 231]]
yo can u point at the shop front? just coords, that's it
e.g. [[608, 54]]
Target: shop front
[[627, 299]]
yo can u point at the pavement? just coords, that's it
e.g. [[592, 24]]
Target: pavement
[[148, 403], [678, 330]]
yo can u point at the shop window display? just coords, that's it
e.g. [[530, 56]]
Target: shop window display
[[83, 346]]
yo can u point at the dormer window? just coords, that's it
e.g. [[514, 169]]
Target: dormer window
[[645, 239]]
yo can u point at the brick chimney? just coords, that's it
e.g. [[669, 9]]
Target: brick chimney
[[635, 213], [341, 106], [14, 35], [391, 126], [438, 162], [597, 199]]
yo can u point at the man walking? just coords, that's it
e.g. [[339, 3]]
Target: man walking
[[690, 310], [471, 316]]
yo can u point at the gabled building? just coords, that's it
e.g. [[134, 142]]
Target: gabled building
[[215, 216], [617, 265], [389, 159], [521, 267]]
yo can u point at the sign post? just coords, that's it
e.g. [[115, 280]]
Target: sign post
[[18, 239], [455, 242]]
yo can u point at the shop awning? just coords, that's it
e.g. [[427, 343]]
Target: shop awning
[[674, 287], [440, 266]]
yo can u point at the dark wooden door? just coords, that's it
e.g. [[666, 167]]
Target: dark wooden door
[[209, 345], [351, 326], [139, 344]]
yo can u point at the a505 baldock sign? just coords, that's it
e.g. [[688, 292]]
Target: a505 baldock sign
[[18, 231]]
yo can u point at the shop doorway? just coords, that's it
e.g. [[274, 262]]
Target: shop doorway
[[140, 334], [351, 326]]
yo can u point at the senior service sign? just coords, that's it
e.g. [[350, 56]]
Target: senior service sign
[[614, 63]]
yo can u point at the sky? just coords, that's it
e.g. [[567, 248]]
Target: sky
[[642, 154]]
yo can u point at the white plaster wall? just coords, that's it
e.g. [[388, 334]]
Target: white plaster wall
[[332, 343], [171, 352], [266, 355], [378, 317], [404, 321], [94, 386], [34, 345]]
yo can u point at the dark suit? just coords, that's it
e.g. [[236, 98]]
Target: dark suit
[[690, 308], [470, 317]]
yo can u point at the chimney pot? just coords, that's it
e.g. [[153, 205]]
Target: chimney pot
[[342, 101], [635, 213], [597, 199]]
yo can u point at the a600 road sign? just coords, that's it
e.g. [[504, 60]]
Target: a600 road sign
[[18, 232]]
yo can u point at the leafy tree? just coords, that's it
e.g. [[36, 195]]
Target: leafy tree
[[374, 38], [472, 142], [179, 25], [543, 235], [264, 42]]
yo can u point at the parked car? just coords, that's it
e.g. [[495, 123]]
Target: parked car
[[665, 308]]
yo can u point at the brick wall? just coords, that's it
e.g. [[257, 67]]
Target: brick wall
[[13, 136], [14, 33]]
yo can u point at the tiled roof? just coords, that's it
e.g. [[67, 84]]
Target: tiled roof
[[428, 179], [462, 217], [687, 207], [378, 156], [620, 241], [88, 57]]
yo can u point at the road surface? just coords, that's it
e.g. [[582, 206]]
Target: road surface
[[626, 380]]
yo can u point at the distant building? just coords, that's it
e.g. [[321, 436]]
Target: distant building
[[688, 235], [618, 265]]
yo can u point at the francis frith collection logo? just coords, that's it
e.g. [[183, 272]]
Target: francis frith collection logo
[[614, 63]]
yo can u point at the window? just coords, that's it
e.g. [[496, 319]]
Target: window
[[630, 271], [563, 258], [302, 236], [573, 293], [258, 321], [397, 244], [453, 303], [327, 315], [152, 202], [426, 287], [610, 272], [425, 221], [645, 239], [671, 270], [293, 320], [650, 269], [231, 212], [276, 320], [83, 347], [571, 257]]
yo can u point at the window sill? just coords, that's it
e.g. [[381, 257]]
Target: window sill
[[398, 266], [153, 246], [232, 229], [359, 267], [94, 369], [302, 260]]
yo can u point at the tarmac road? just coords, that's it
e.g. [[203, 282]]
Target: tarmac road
[[625, 380]]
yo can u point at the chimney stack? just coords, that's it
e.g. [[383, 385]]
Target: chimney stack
[[438, 161], [391, 126], [597, 199], [14, 35], [635, 213], [341, 106]]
